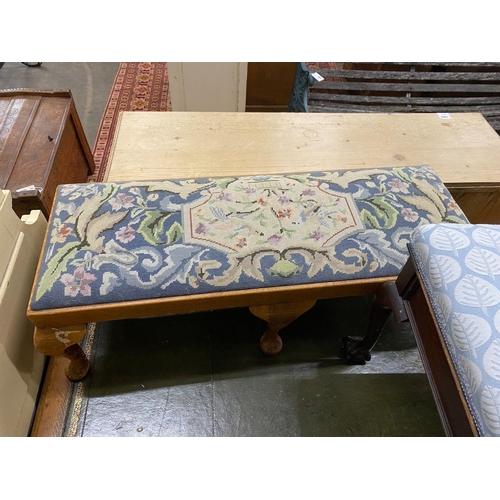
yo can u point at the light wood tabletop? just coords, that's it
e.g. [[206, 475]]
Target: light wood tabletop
[[461, 147]]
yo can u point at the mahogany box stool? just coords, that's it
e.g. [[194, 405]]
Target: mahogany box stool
[[42, 145]]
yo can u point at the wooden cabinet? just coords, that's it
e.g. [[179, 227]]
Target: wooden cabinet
[[269, 86], [42, 145]]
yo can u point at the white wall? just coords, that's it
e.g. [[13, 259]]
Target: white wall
[[207, 86]]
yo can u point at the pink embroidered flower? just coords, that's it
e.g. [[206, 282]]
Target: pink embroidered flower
[[282, 214], [242, 243], [125, 234], [274, 240], [60, 233], [224, 197], [409, 214], [317, 235], [122, 200], [201, 228], [398, 186], [262, 201], [193, 281], [78, 282], [452, 205], [308, 192]]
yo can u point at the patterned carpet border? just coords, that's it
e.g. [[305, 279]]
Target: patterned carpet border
[[138, 86]]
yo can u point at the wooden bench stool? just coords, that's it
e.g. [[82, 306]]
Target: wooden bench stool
[[274, 243], [451, 291]]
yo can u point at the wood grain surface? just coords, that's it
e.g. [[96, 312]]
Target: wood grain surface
[[464, 150]]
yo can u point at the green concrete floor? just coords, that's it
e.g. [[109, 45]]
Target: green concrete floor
[[204, 375]]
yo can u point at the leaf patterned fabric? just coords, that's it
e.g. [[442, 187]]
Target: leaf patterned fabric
[[115, 242], [460, 269]]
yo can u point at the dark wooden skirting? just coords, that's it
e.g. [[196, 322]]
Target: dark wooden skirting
[[266, 109], [453, 409], [52, 409]]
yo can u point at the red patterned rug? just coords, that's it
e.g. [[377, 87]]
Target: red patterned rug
[[139, 86]]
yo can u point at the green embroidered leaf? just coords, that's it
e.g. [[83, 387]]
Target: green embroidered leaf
[[174, 233], [382, 215], [224, 183], [284, 268], [57, 265], [435, 212], [153, 228], [137, 211]]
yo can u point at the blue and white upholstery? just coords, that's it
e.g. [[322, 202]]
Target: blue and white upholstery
[[459, 265]]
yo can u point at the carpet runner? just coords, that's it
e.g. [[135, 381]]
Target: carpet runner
[[138, 86]]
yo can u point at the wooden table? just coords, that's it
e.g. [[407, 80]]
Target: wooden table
[[462, 148]]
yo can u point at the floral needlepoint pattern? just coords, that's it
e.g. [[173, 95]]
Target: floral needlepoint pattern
[[235, 219], [78, 282], [115, 242]]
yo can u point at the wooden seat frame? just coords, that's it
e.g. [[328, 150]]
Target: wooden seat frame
[[450, 400], [58, 331]]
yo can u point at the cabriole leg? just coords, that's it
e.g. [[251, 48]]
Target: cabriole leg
[[63, 341], [356, 350], [278, 316]]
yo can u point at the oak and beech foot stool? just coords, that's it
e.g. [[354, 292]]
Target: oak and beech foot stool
[[451, 291], [273, 243]]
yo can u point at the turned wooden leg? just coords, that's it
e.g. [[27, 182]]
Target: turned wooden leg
[[356, 350], [278, 316], [63, 341]]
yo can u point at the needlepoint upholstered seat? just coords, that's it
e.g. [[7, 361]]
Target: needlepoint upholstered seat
[[135, 249]]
